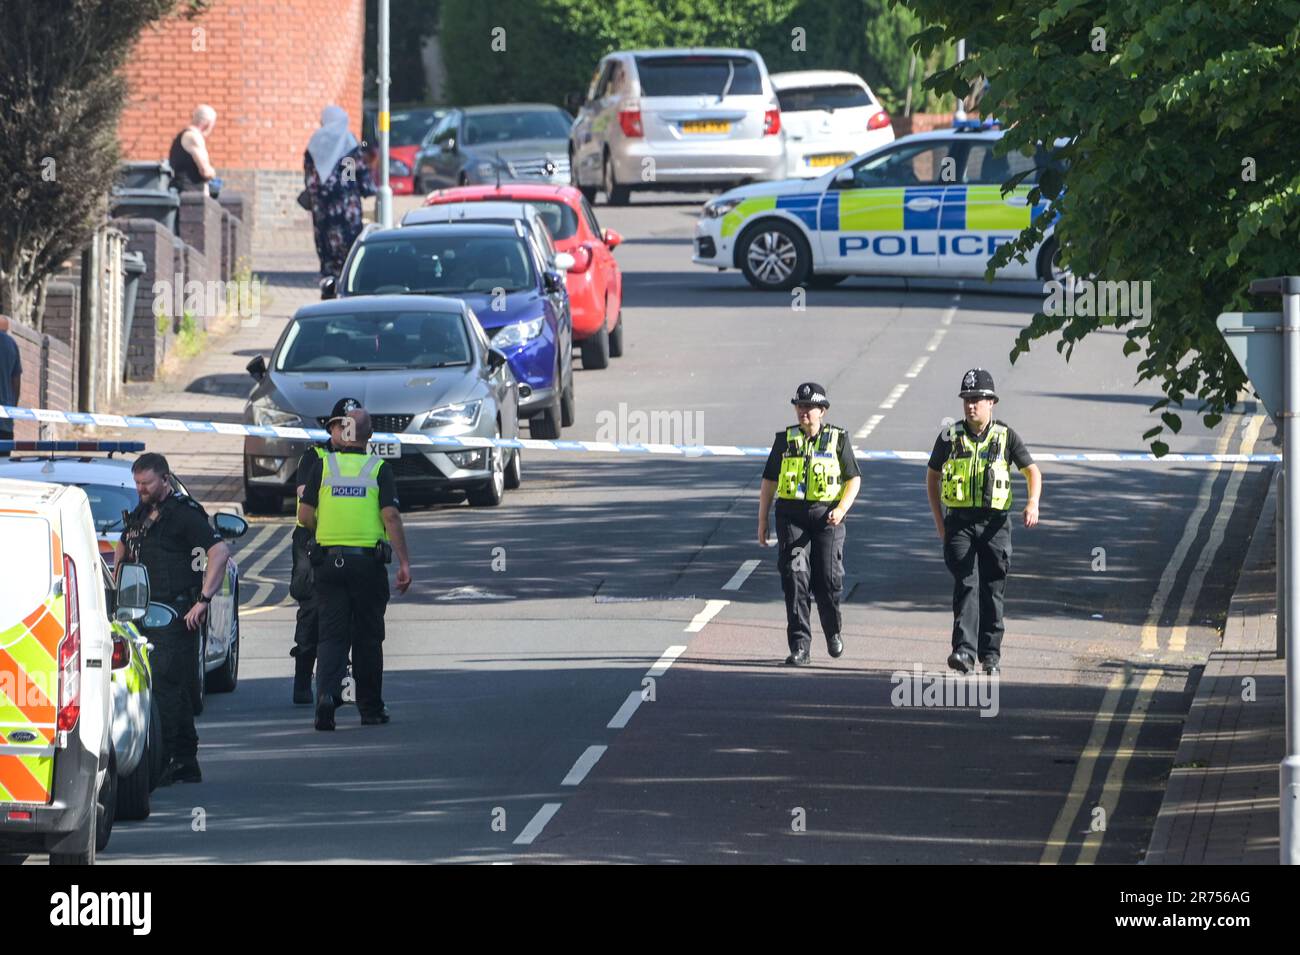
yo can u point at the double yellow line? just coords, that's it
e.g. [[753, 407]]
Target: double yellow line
[[1144, 680]]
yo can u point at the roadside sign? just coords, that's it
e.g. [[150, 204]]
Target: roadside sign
[[1255, 340]]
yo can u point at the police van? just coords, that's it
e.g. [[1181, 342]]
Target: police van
[[928, 205], [58, 765]]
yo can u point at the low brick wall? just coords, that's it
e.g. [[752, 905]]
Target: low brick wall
[[145, 348], [200, 226]]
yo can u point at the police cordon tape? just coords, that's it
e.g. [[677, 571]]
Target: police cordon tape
[[424, 441]]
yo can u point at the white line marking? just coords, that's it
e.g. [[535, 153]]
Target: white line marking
[[537, 824], [935, 339], [625, 711], [740, 576], [704, 616], [583, 766], [870, 426], [667, 660], [917, 366], [894, 395]]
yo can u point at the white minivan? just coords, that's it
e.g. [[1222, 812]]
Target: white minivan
[[58, 773]]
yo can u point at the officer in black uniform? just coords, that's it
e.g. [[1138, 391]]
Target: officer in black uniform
[[969, 476], [814, 477], [301, 586], [170, 535], [352, 508]]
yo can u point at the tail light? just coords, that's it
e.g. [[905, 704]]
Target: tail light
[[630, 120], [581, 258], [879, 120], [70, 651], [771, 122], [121, 652]]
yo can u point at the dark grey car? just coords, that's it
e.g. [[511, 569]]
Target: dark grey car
[[420, 364], [526, 142]]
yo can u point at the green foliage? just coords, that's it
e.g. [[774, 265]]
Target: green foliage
[[190, 339], [552, 46], [1182, 162]]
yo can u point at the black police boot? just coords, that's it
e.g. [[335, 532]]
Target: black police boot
[[376, 718], [991, 665], [325, 707], [961, 661], [184, 771], [798, 659], [834, 645], [302, 680]]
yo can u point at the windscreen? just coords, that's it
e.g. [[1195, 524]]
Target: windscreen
[[409, 128], [840, 96], [442, 265], [699, 76], [365, 341], [107, 504], [485, 129]]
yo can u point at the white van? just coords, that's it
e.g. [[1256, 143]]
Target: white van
[[57, 765]]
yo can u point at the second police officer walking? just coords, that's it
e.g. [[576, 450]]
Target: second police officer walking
[[352, 509], [968, 473], [302, 584], [812, 473]]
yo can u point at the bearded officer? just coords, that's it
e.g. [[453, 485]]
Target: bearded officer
[[814, 477], [970, 476], [352, 509], [301, 586]]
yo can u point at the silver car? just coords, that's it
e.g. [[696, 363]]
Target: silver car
[[420, 364], [486, 144], [674, 119]]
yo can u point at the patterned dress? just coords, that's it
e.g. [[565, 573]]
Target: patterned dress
[[336, 207]]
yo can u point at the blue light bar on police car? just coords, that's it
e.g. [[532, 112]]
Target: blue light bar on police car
[[975, 125], [42, 446]]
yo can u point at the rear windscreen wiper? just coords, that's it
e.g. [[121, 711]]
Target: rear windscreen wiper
[[731, 77]]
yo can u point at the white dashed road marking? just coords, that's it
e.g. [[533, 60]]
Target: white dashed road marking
[[588, 759], [704, 616], [740, 576], [537, 824], [671, 654], [624, 714]]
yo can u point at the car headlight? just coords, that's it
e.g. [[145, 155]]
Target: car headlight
[[717, 208], [518, 333], [398, 168], [274, 417], [465, 413]]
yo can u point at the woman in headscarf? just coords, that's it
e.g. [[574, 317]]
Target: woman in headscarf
[[337, 177]]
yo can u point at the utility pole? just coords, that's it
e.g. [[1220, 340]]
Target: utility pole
[[385, 190]]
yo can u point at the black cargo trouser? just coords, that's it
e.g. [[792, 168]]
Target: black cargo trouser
[[978, 555], [306, 631], [174, 661], [811, 563], [352, 599]]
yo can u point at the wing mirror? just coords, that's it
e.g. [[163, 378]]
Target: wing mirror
[[844, 176], [229, 526], [132, 593], [574, 101], [496, 360], [329, 287], [612, 238], [257, 368], [448, 145], [554, 281]]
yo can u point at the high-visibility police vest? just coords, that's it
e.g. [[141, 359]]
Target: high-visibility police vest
[[320, 453], [976, 473], [348, 511], [810, 467]]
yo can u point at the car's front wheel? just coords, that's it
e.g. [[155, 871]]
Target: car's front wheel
[[774, 256], [226, 677], [490, 492], [515, 470], [1049, 262], [595, 350], [615, 194]]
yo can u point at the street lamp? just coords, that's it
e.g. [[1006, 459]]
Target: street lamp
[[385, 190]]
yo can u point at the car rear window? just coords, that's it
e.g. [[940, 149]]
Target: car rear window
[[561, 221], [25, 566], [441, 265], [364, 341], [698, 75], [840, 96]]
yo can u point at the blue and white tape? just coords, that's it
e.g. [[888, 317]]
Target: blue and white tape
[[440, 442]]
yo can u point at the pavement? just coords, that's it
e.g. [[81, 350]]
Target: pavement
[[1221, 806], [591, 671]]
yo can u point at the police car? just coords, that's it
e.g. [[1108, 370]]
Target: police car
[[925, 205]]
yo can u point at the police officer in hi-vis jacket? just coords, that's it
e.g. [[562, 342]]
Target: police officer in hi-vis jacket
[[814, 477], [969, 474]]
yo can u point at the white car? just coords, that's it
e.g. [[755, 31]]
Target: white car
[[925, 205], [827, 118]]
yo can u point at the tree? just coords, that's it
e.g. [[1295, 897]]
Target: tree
[[410, 21], [61, 95], [1181, 168]]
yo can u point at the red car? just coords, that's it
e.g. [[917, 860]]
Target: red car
[[407, 130], [595, 283]]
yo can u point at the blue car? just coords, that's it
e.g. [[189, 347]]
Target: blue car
[[505, 279]]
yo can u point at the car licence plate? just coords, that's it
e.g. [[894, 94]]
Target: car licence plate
[[705, 126], [384, 449], [826, 160]]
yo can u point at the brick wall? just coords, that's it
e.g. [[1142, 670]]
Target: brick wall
[[49, 376], [267, 68], [145, 347]]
